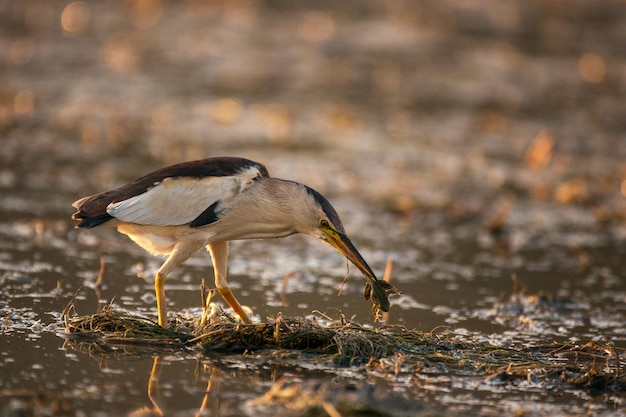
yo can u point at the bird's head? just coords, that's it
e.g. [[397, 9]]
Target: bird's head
[[320, 220], [289, 207]]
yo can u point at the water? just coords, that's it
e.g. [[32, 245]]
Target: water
[[469, 143]]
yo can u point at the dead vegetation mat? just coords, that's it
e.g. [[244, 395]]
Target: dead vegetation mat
[[389, 351]]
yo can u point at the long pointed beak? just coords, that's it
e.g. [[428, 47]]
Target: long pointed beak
[[343, 245], [375, 290]]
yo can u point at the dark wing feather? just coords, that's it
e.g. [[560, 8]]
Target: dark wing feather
[[92, 210], [208, 216]]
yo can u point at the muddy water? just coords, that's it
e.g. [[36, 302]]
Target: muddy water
[[480, 147]]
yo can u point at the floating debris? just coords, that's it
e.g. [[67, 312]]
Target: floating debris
[[320, 397], [113, 327], [387, 351]]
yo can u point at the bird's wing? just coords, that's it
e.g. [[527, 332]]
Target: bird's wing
[[183, 200], [192, 192]]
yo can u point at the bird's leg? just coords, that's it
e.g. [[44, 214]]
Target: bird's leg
[[181, 252], [159, 290], [219, 254], [227, 295]]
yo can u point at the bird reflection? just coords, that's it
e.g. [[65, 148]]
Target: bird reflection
[[158, 406]]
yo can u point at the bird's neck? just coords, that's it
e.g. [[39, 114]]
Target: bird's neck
[[258, 213], [256, 231]]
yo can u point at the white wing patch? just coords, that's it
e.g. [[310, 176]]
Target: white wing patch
[[177, 201]]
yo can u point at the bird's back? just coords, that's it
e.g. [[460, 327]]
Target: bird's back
[[95, 210]]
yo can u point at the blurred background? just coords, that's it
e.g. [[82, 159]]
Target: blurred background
[[409, 104], [479, 145]]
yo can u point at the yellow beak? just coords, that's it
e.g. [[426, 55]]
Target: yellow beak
[[375, 290], [343, 245]]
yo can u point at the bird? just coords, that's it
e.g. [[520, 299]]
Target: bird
[[177, 210]]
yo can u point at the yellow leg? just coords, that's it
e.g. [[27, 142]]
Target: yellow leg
[[159, 289], [219, 254], [228, 296], [181, 252]]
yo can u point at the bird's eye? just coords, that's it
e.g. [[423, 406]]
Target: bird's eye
[[324, 224]]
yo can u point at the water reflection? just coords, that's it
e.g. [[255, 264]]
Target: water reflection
[[208, 404], [154, 393]]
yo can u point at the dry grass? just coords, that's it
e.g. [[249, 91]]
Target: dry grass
[[389, 351]]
